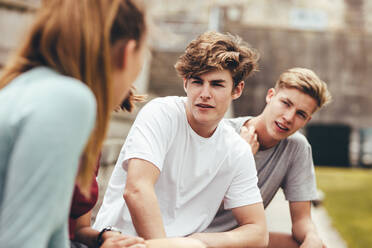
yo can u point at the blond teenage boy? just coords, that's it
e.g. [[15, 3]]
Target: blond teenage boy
[[283, 155], [179, 161]]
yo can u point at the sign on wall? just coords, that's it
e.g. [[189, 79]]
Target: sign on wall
[[308, 19]]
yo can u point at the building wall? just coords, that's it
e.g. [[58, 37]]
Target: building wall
[[13, 24], [252, 12], [339, 59], [339, 52]]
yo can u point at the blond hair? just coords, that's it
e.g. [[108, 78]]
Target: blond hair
[[216, 51], [75, 37], [306, 81]]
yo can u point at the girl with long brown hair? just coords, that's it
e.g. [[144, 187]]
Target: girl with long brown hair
[[74, 67]]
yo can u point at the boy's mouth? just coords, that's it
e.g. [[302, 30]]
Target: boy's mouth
[[202, 105], [281, 126]]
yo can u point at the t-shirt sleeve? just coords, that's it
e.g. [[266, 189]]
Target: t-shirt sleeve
[[150, 135], [243, 189], [237, 122], [299, 183]]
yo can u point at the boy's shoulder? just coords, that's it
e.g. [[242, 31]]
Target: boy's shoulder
[[164, 106], [298, 138], [232, 139], [168, 102], [297, 141]]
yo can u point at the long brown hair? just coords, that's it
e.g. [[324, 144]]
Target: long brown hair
[[75, 37]]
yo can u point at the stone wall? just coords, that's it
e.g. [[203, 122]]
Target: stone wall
[[14, 20], [163, 77], [339, 58], [261, 13]]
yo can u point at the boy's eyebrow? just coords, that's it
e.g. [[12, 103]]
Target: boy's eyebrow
[[195, 77], [218, 81], [289, 101], [212, 81]]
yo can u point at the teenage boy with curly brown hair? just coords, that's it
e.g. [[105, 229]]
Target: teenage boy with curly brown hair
[[179, 161]]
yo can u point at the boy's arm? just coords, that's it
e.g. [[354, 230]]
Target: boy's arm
[[175, 243], [252, 231], [85, 234], [83, 231], [303, 228], [139, 194]]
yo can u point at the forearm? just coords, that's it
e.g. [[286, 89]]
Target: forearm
[[175, 243], [303, 228], [282, 240], [145, 212], [83, 231], [249, 235], [87, 236]]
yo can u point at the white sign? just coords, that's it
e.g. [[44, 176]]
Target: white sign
[[308, 19]]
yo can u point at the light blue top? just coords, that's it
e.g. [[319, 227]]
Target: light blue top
[[45, 121]]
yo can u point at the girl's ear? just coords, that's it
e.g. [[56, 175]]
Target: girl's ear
[[127, 52]]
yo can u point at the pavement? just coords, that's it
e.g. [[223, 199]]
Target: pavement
[[277, 213], [279, 220]]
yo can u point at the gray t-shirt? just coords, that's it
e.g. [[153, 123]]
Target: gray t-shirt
[[288, 165]]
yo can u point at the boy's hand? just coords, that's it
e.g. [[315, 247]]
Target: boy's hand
[[313, 242], [116, 239], [249, 134]]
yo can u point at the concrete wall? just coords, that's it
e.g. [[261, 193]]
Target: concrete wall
[[340, 57], [253, 12], [13, 24]]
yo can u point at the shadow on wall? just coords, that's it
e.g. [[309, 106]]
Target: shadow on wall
[[330, 144], [340, 145]]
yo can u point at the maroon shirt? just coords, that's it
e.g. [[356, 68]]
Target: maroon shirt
[[80, 205]]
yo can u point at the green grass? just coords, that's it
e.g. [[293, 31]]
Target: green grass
[[348, 200]]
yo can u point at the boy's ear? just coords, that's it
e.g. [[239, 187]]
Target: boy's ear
[[238, 90], [270, 93], [185, 85]]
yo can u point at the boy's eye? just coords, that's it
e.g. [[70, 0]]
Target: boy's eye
[[218, 84], [302, 115], [285, 103], [197, 82]]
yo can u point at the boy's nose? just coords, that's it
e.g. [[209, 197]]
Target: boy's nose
[[289, 115], [205, 94]]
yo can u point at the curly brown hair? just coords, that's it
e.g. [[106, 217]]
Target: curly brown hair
[[216, 51]]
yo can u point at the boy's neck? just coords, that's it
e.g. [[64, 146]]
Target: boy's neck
[[204, 131]]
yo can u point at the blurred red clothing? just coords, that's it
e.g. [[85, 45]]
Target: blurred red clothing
[[80, 205]]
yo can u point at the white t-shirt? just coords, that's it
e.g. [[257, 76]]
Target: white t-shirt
[[196, 173]]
